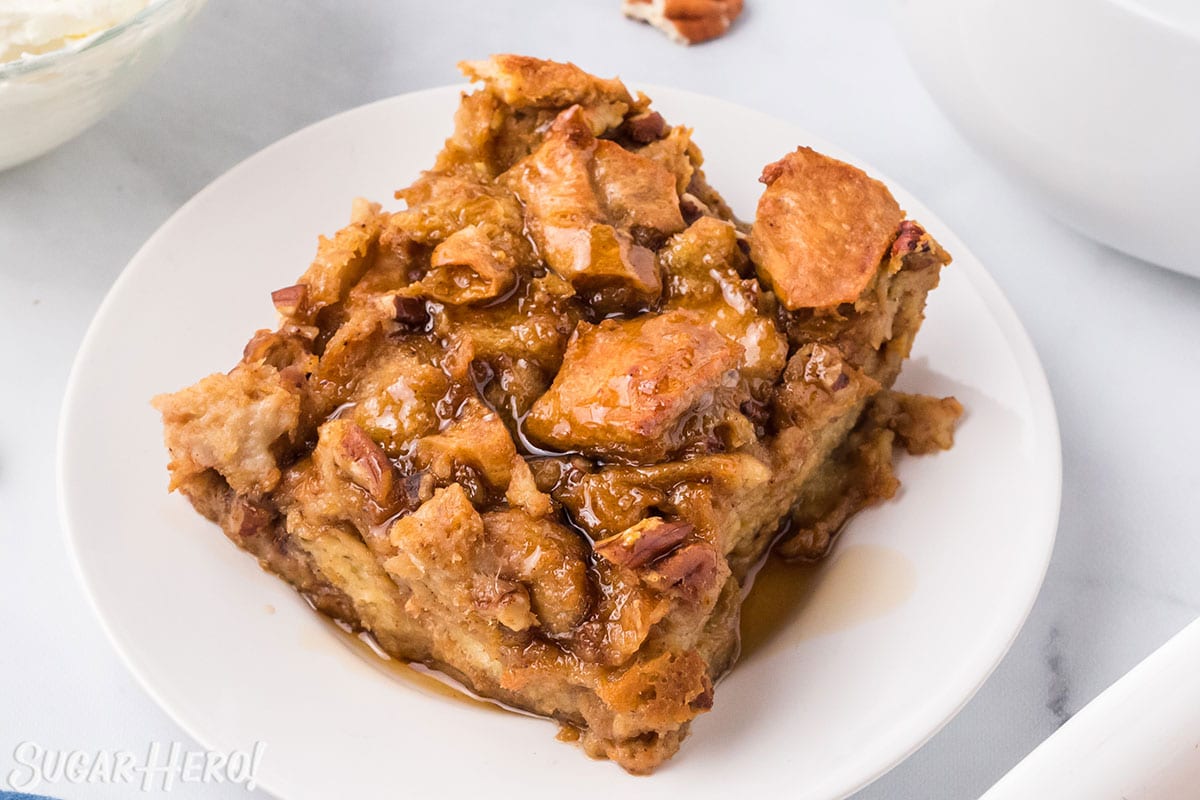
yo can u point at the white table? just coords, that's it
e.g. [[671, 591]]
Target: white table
[[1120, 340]]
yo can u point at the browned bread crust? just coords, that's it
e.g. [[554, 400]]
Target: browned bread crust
[[821, 230]]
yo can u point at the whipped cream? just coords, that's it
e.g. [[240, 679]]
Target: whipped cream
[[29, 28]]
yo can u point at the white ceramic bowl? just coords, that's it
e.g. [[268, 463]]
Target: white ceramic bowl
[[47, 100], [1139, 740], [1094, 105]]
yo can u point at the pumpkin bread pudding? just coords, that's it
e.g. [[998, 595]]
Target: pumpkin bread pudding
[[536, 429]]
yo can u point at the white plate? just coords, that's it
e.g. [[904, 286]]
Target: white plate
[[922, 600]]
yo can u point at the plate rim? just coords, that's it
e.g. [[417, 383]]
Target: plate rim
[[1043, 413]]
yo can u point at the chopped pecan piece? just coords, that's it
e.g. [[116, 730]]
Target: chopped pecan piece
[[646, 541], [290, 346], [691, 571], [649, 126], [907, 237], [914, 249], [363, 461], [504, 600], [825, 368], [290, 300], [691, 208], [411, 312], [248, 518]]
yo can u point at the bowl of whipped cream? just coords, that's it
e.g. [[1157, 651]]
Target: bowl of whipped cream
[[65, 63]]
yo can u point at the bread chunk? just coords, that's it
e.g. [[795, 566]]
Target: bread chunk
[[591, 207], [822, 229], [641, 389]]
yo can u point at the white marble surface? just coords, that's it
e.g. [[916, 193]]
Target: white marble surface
[[1118, 338]]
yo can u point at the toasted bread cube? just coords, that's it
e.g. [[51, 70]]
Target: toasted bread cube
[[630, 388], [822, 230]]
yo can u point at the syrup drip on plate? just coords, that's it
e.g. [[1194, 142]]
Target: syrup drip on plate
[[791, 602], [415, 675]]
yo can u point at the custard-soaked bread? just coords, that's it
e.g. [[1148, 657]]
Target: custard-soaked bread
[[536, 428]]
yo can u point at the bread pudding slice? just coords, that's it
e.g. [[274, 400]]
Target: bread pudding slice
[[536, 429]]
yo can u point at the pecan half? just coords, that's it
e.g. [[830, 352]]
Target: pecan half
[[644, 542], [686, 21]]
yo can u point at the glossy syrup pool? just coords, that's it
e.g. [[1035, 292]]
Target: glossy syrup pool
[[791, 602]]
